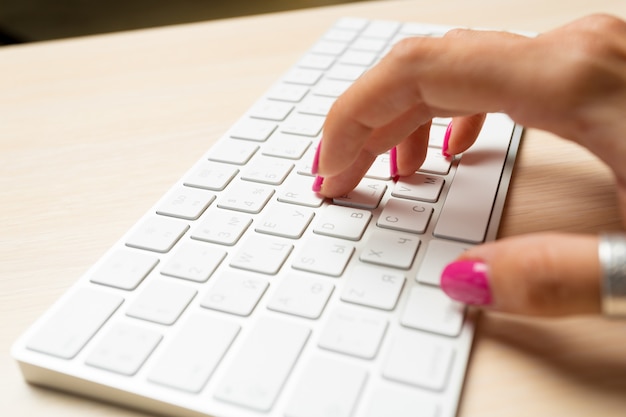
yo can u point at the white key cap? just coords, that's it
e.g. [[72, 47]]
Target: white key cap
[[340, 35], [285, 220], [316, 61], [436, 163], [431, 310], [329, 48], [73, 323], [261, 254], [342, 222], [193, 353], [124, 269], [368, 44], [271, 110], [323, 256], [235, 293], [233, 151], [267, 170], [361, 58], [123, 349], [194, 261], [439, 253], [422, 187], [303, 125], [185, 203], [467, 210], [301, 296], [316, 105], [419, 360], [262, 365], [380, 169], [327, 388], [345, 72], [246, 197], [282, 145], [288, 92], [161, 302], [389, 249], [211, 176], [398, 402], [353, 332], [157, 233], [297, 190], [331, 88], [251, 129], [373, 287], [222, 227], [380, 29], [306, 163], [366, 195], [302, 76], [437, 133], [406, 216]]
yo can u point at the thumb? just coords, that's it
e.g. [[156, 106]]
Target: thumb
[[538, 274]]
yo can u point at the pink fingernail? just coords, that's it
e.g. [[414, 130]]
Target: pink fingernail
[[467, 281], [446, 139], [316, 159], [317, 184], [393, 162]]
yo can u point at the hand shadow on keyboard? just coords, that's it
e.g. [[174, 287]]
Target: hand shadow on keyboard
[[563, 345]]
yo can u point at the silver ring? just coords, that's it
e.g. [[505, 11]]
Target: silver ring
[[612, 255]]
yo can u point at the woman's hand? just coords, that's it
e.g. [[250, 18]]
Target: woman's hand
[[570, 81]]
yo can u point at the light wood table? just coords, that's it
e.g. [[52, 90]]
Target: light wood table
[[94, 130]]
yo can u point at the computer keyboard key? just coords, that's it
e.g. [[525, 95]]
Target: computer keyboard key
[[72, 324], [332, 48], [315, 61], [353, 332], [157, 234], [328, 388], [316, 105], [267, 170], [254, 130], [420, 187], [191, 357], [246, 197], [261, 366], [223, 227], [161, 301], [366, 195], [389, 249], [323, 256], [288, 92], [467, 211], [194, 261], [297, 190], [342, 222], [301, 296], [436, 163], [303, 125], [373, 287], [185, 203], [303, 76], [124, 269], [405, 216], [261, 254], [124, 348], [234, 151], [331, 88], [379, 170], [235, 293], [419, 360], [439, 253], [211, 176], [282, 145], [285, 220], [429, 309]]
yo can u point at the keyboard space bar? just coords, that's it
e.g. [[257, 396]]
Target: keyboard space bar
[[466, 212]]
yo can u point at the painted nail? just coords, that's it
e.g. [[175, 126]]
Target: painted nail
[[317, 184], [467, 281], [393, 162], [446, 139], [316, 159]]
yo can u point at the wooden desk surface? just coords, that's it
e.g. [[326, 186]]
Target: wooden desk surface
[[94, 130]]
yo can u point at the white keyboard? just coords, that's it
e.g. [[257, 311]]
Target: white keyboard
[[243, 293]]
